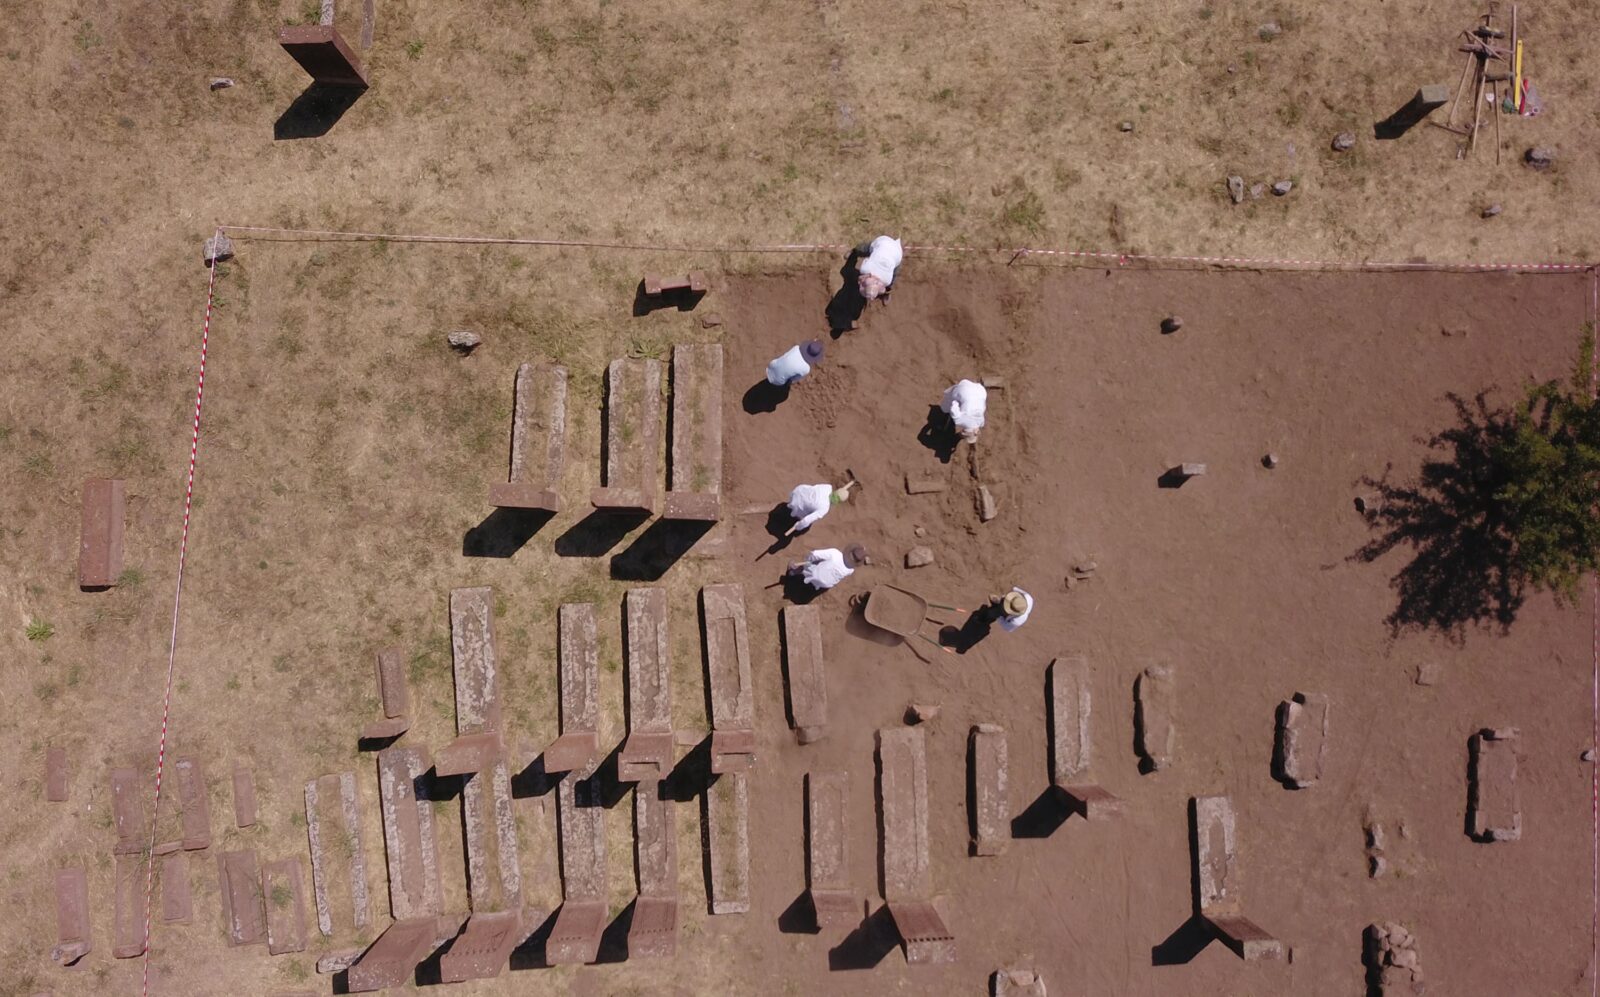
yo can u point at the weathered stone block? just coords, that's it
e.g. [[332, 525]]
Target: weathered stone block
[[127, 811], [483, 950], [923, 934], [827, 847], [244, 797], [55, 775], [653, 933], [477, 673], [74, 936], [1214, 854], [243, 909], [177, 895], [408, 836], [393, 689], [494, 871], [728, 830], [338, 863], [193, 803], [392, 960], [322, 52], [538, 440], [575, 937]]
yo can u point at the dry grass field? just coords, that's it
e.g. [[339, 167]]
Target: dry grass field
[[346, 451]]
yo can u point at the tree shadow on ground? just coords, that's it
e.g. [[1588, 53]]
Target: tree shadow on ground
[[1463, 567]]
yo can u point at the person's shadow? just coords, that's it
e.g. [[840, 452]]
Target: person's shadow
[[846, 306], [764, 396], [797, 590], [939, 434], [965, 637], [779, 520]]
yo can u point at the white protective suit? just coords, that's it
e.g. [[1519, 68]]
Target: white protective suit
[[825, 568], [1010, 623], [883, 259], [788, 368], [809, 503], [965, 401]]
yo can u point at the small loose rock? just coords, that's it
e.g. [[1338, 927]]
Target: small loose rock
[[1368, 505], [221, 83], [988, 508], [919, 531], [1125, 126], [1269, 461], [1588, 756], [1540, 157], [1282, 187], [1269, 31], [464, 340], [918, 557], [1344, 141], [1428, 673], [711, 321], [1171, 324], [1236, 188], [1491, 211], [921, 713], [1256, 190]]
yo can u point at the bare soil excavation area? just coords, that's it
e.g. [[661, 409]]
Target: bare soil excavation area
[[342, 498]]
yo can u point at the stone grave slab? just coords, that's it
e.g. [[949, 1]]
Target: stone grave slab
[[494, 872], [695, 491], [392, 960], [991, 817], [322, 52], [338, 866], [483, 950], [477, 673], [579, 743], [244, 797], [193, 803], [283, 890], [1245, 938], [538, 440], [470, 753], [408, 836], [633, 434], [100, 540], [923, 934], [243, 911], [808, 690], [653, 933], [127, 811], [1068, 679], [1494, 807], [728, 826], [1155, 707], [74, 935], [575, 937], [1302, 734], [177, 893], [580, 820], [1214, 855], [55, 775], [827, 849], [903, 795], [646, 757]]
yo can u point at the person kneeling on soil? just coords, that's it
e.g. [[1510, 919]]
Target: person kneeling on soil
[[1011, 609], [964, 402], [795, 364], [875, 269], [809, 503], [825, 568]]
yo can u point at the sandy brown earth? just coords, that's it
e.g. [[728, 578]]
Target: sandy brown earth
[[319, 539], [346, 453]]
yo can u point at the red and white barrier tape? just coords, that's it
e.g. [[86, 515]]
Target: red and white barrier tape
[[177, 600], [1121, 259]]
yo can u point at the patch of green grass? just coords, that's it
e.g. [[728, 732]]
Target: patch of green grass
[[232, 685], [46, 691], [39, 465], [86, 37], [131, 578], [281, 895], [39, 630], [1025, 212], [414, 48]]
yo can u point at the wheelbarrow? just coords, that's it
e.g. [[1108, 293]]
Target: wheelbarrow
[[902, 613]]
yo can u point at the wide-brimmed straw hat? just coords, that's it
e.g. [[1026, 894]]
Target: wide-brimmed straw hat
[[855, 556], [1014, 604], [811, 350]]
